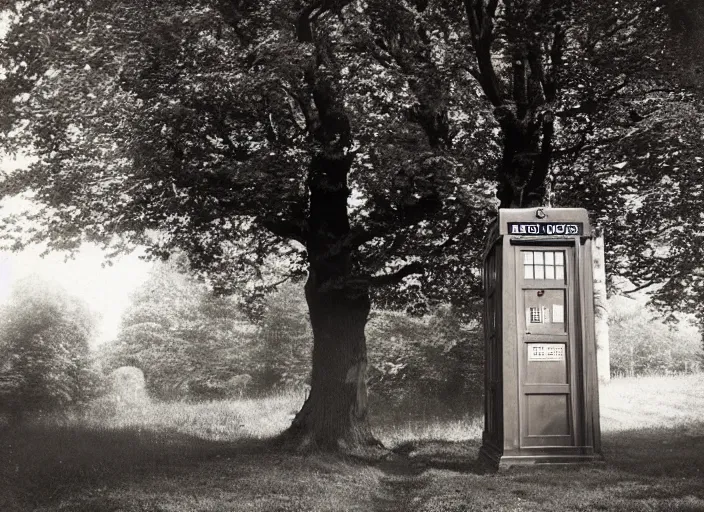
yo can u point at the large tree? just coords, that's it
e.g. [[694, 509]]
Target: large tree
[[642, 171], [254, 135], [554, 72], [358, 141], [600, 105]]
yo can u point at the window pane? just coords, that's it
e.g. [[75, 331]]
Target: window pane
[[538, 257], [539, 274], [559, 258], [549, 258], [550, 272], [528, 257], [560, 272], [528, 271]]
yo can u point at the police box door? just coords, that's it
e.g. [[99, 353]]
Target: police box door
[[546, 338]]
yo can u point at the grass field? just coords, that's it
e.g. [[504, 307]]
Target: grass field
[[215, 457]]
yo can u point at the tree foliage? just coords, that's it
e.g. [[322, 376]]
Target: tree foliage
[[175, 124], [642, 174], [192, 125], [45, 361]]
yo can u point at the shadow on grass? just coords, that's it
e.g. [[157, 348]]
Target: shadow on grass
[[649, 469], [413, 458], [658, 452], [675, 452], [86, 469], [458, 456], [43, 464]]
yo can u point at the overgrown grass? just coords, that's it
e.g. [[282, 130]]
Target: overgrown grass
[[652, 402], [653, 443], [649, 470], [224, 420], [216, 456]]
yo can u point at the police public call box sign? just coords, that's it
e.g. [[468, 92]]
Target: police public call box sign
[[546, 228]]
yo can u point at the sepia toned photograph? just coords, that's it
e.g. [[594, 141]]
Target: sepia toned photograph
[[351, 255]]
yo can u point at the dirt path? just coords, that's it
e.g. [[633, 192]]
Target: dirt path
[[414, 470], [403, 481]]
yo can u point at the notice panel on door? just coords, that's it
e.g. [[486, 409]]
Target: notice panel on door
[[546, 352]]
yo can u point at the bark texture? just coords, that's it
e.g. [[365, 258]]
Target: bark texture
[[334, 416]]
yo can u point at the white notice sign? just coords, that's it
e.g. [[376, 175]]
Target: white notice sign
[[546, 352], [558, 314]]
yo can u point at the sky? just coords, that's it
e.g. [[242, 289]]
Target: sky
[[106, 289]]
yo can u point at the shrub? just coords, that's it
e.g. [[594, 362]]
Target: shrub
[[429, 365], [187, 340], [45, 361]]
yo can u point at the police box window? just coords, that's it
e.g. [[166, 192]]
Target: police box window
[[544, 265]]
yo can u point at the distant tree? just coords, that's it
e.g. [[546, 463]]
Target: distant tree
[[285, 339], [187, 341], [642, 344], [45, 361]]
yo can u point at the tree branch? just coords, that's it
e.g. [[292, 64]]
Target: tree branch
[[542, 166], [304, 29], [287, 229], [396, 277], [638, 288], [358, 237], [238, 154], [481, 24], [306, 109], [552, 80], [232, 15], [459, 228], [399, 239], [617, 27]]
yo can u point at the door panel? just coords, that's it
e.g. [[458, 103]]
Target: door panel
[[545, 316], [545, 371], [548, 415]]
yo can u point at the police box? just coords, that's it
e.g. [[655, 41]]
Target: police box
[[541, 398]]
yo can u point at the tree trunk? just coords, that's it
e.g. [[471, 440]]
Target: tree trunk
[[526, 156], [601, 312], [334, 416]]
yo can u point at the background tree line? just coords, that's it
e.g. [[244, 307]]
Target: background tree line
[[190, 343]]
